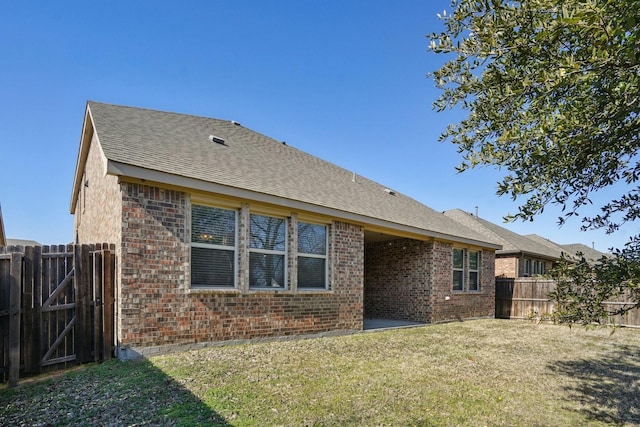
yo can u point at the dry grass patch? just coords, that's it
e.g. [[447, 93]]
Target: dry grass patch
[[489, 372]]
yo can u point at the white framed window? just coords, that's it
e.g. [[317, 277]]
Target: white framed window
[[458, 269], [213, 247], [466, 270], [474, 270], [267, 252], [312, 256], [535, 268]]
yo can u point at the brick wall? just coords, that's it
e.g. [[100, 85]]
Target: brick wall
[[412, 280], [158, 308], [397, 280], [507, 267], [448, 305]]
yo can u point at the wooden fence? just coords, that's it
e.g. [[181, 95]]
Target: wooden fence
[[526, 297], [56, 307]]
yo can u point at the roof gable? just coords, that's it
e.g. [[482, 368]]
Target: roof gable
[[165, 144]]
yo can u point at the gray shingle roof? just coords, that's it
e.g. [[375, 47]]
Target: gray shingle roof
[[179, 145], [589, 253], [511, 242], [570, 249]]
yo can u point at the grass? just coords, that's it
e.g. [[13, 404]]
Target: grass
[[487, 372]]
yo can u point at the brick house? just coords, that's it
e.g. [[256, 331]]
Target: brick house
[[222, 233], [520, 255]]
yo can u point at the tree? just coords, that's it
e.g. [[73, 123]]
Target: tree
[[552, 91]]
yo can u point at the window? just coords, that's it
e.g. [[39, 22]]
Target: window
[[527, 267], [267, 252], [535, 268], [312, 256], [474, 271], [466, 270], [213, 247], [458, 269], [543, 267]]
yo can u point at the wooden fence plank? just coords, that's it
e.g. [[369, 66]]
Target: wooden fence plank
[[28, 308], [37, 309], [5, 271], [96, 258], [108, 263], [83, 315], [15, 282]]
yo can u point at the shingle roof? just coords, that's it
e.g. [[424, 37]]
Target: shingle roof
[[179, 145], [590, 254], [22, 242], [511, 242], [570, 249]]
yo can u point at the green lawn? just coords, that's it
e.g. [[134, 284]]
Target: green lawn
[[485, 372]]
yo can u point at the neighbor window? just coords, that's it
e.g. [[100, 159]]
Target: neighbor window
[[213, 246], [543, 267], [312, 256], [267, 252], [466, 270], [527, 267]]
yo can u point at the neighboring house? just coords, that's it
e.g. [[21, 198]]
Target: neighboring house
[[570, 250], [520, 256], [3, 239], [222, 233]]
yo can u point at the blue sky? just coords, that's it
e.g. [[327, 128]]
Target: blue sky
[[342, 80]]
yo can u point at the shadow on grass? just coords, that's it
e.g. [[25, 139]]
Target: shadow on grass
[[112, 393], [606, 389]]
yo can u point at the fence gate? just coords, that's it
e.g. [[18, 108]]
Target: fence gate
[[56, 307]]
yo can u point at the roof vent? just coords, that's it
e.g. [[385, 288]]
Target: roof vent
[[235, 123], [217, 140], [390, 192]]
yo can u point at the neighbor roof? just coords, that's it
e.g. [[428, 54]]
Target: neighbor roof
[[177, 149], [570, 249], [22, 242], [589, 253], [512, 243]]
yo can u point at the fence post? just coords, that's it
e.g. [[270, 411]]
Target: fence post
[[15, 292]]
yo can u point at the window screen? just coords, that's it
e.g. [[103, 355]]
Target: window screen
[[458, 269], [267, 252], [213, 250], [474, 272], [312, 256]]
